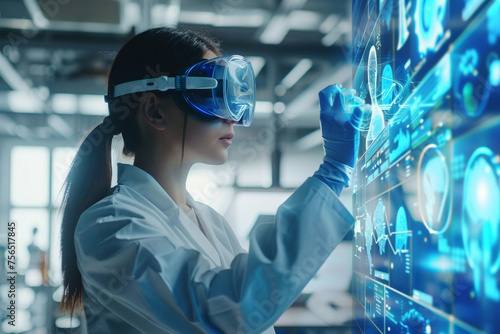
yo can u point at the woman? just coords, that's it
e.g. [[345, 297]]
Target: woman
[[143, 256]]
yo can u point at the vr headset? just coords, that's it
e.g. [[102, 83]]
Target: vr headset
[[217, 88]]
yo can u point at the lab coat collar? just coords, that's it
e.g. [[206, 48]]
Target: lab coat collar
[[207, 217], [145, 184]]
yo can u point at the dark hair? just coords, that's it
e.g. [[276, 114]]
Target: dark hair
[[155, 52]]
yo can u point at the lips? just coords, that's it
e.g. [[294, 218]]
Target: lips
[[229, 136]]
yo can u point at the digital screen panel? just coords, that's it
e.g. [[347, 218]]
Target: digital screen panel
[[405, 316], [426, 185]]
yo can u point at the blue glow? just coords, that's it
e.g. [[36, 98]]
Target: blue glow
[[481, 216], [369, 240], [402, 141], [403, 24], [429, 16], [493, 26], [380, 220], [470, 89], [440, 263], [414, 322], [468, 62], [405, 316], [377, 122], [436, 186], [388, 86], [470, 7], [495, 72], [401, 230], [442, 78], [433, 79]]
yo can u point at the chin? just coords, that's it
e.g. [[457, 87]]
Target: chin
[[216, 159], [221, 161]]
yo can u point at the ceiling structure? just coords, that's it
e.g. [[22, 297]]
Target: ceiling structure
[[55, 54]]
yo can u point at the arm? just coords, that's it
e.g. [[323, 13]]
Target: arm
[[340, 134], [165, 289]]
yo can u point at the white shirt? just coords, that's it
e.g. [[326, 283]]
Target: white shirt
[[146, 268]]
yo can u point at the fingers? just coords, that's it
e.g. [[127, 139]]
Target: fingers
[[326, 96], [356, 117]]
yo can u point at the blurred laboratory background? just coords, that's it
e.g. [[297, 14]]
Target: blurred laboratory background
[[54, 58]]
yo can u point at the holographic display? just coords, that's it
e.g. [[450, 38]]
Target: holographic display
[[405, 316], [403, 31], [429, 23], [426, 184], [481, 219], [374, 303], [476, 225], [377, 122], [434, 189], [402, 231]]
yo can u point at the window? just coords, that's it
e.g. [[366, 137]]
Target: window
[[36, 177]]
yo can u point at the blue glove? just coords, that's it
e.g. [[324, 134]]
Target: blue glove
[[340, 132]]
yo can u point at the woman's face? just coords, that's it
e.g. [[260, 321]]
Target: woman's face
[[205, 141]]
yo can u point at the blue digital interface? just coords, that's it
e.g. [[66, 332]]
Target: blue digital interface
[[426, 185]]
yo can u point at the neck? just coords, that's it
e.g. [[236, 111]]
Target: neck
[[171, 176]]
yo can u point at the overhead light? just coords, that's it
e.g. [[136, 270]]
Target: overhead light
[[58, 294], [275, 31], [172, 12], [192, 17], [92, 105], [257, 63], [264, 107], [280, 90], [11, 76], [296, 73], [334, 34], [165, 14], [95, 15], [24, 102], [88, 104], [279, 107], [248, 19], [328, 23], [67, 322], [64, 103], [303, 20]]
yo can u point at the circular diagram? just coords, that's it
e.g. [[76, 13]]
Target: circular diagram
[[471, 91], [481, 213], [429, 25], [433, 182]]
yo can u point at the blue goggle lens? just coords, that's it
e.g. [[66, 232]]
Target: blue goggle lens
[[234, 96]]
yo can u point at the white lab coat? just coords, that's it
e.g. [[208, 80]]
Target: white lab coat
[[147, 268]]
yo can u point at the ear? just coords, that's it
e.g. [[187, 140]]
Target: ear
[[151, 111]]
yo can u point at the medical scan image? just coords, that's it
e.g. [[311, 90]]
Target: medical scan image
[[426, 192]]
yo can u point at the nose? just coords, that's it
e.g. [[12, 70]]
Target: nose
[[229, 121]]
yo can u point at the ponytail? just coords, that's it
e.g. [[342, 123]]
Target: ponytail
[[154, 52], [88, 181]]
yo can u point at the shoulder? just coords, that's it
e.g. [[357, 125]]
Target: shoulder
[[123, 214], [120, 201]]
